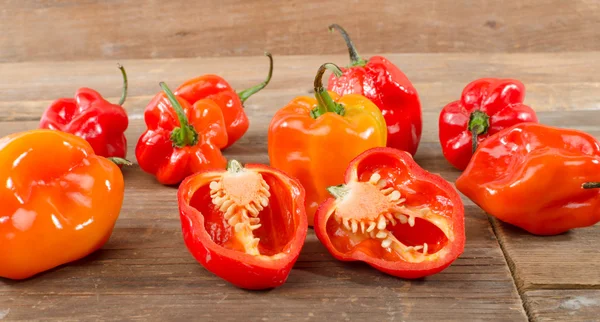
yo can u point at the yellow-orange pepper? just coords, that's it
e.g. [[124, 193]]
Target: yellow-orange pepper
[[314, 140], [59, 201]]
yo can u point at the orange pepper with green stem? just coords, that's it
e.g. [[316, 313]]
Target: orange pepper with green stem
[[314, 139]]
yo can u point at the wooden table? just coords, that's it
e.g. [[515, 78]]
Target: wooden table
[[145, 271]]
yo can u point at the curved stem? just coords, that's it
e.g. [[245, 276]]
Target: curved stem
[[245, 94], [185, 134], [234, 166], [355, 59], [324, 101], [479, 122], [474, 136], [125, 85], [120, 161], [591, 185]]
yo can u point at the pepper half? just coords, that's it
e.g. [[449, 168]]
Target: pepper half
[[247, 225], [60, 201], [393, 215], [543, 179]]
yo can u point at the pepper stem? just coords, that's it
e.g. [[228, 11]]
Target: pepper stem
[[125, 84], [120, 161], [591, 185], [234, 166], [338, 191], [185, 134], [245, 94], [479, 122], [355, 59], [324, 101]]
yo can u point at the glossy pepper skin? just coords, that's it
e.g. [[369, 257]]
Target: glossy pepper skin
[[59, 204], [181, 139], [487, 106], [393, 215], [92, 118], [217, 89], [313, 140], [385, 85], [247, 225], [540, 178]]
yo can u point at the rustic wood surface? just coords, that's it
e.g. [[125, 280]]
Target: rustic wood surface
[[145, 272], [96, 29]]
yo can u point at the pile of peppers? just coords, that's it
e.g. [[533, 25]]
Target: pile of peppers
[[341, 161]]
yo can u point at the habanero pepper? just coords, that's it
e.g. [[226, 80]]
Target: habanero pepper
[[215, 88], [247, 224], [393, 215], [487, 106], [543, 179], [181, 139], [92, 118], [59, 204], [315, 139], [385, 85]]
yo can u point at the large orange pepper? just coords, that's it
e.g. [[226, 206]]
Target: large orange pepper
[[59, 201], [314, 140]]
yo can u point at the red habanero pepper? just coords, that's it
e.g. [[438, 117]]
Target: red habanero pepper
[[487, 106], [91, 117], [393, 215], [246, 224], [231, 103], [385, 85], [543, 179], [181, 139]]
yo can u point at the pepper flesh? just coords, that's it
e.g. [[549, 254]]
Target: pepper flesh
[[532, 176], [393, 215], [487, 106], [387, 86], [247, 225], [317, 150], [59, 204]]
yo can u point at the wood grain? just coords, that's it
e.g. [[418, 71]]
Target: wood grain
[[564, 305], [96, 29]]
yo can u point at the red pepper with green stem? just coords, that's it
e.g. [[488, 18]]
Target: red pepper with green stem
[[231, 103], [385, 85]]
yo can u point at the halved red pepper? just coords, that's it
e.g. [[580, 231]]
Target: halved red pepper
[[393, 215], [247, 224]]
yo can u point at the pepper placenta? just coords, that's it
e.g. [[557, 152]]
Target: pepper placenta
[[247, 224], [59, 204], [385, 85], [215, 88], [543, 179], [315, 139], [393, 215], [487, 106], [92, 118], [181, 139]]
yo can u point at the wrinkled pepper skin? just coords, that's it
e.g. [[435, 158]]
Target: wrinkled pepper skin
[[393, 215], [212, 231], [487, 106], [532, 176], [317, 151], [387, 86], [171, 162], [59, 204]]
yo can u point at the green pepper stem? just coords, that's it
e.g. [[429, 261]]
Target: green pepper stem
[[245, 94], [338, 191], [355, 59], [234, 166], [479, 122], [591, 185], [185, 134], [125, 85], [120, 161], [324, 101]]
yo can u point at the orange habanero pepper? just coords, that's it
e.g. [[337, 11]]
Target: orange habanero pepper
[[314, 140]]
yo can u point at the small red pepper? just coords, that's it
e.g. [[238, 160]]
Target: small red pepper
[[385, 85], [92, 118], [231, 103], [247, 225], [393, 215], [543, 179], [181, 139], [487, 106]]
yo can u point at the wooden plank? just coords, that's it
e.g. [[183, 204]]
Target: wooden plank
[[564, 305], [68, 30]]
